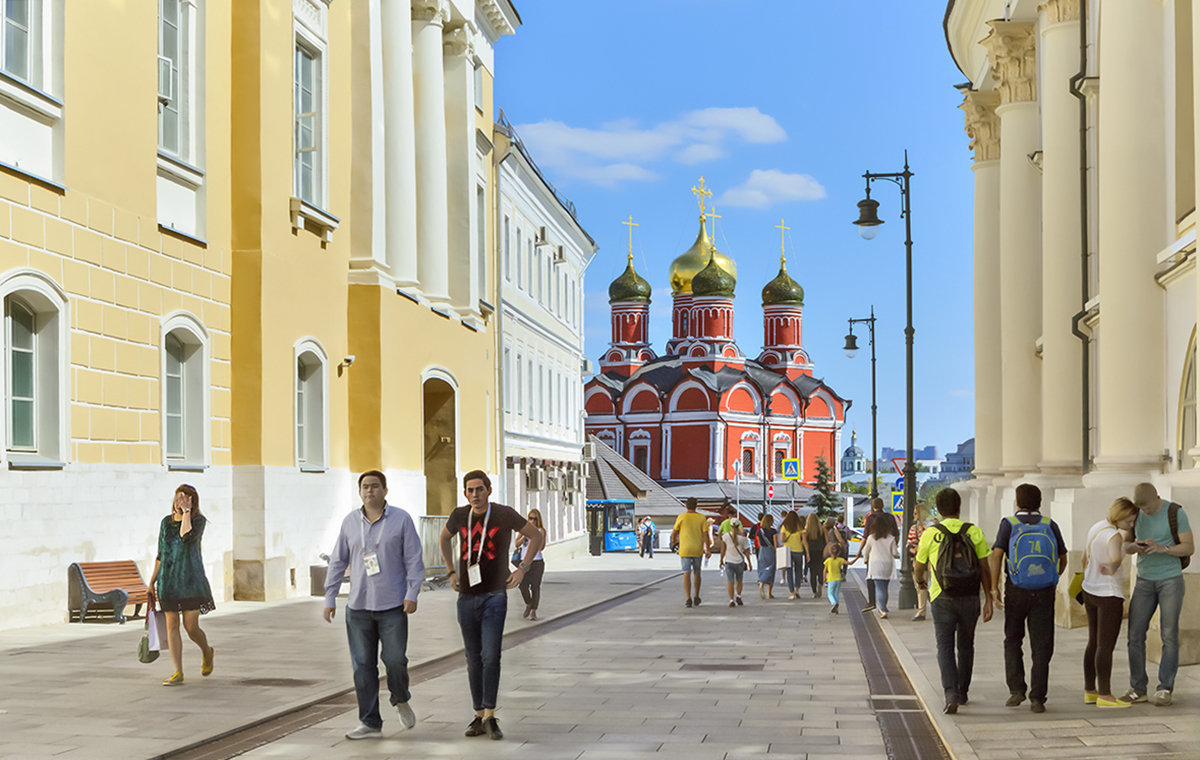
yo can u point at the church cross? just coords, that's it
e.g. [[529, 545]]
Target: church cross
[[783, 228], [701, 193], [630, 224]]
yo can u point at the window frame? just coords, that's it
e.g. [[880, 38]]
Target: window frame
[[196, 403], [35, 61], [311, 445]]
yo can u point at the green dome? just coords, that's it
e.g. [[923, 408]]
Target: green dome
[[629, 287], [713, 280], [783, 290]]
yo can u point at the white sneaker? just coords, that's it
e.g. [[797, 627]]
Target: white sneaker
[[363, 731], [407, 716], [1162, 698]]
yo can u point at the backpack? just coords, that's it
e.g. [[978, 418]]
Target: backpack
[[1032, 554], [1173, 521], [957, 567]]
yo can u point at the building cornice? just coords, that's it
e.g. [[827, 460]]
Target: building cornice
[[1011, 47], [1059, 11]]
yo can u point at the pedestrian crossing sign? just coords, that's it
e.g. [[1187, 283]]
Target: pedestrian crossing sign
[[791, 469], [897, 502]]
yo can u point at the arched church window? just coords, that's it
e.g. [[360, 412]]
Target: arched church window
[[747, 461], [1187, 409], [779, 457]]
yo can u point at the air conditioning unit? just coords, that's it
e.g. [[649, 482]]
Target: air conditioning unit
[[166, 79], [535, 479], [589, 452], [555, 480]]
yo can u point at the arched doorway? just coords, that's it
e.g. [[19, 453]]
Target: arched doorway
[[439, 446]]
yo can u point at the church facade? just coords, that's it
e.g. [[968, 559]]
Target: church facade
[[703, 410]]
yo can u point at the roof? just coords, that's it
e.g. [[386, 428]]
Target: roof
[[750, 496], [613, 477]]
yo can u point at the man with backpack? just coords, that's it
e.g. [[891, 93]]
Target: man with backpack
[[958, 554], [1162, 539], [1037, 555]]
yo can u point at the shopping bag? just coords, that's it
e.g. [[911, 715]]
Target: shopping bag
[[1075, 590], [156, 630], [144, 652], [783, 557]]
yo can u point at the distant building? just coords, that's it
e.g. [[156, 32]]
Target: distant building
[[960, 464], [887, 453], [853, 459]]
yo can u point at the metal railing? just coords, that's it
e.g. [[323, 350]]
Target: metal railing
[[430, 530]]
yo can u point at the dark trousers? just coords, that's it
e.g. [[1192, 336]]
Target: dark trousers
[[481, 618], [531, 584], [1104, 615], [815, 566], [367, 630], [954, 619], [1032, 609], [870, 594], [647, 545]]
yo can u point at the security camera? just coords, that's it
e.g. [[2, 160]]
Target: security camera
[[349, 360]]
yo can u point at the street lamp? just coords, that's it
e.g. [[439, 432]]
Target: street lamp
[[868, 226], [851, 349]]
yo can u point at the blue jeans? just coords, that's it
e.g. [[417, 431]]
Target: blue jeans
[[1167, 595], [881, 594], [834, 590], [367, 630], [481, 618], [954, 619]]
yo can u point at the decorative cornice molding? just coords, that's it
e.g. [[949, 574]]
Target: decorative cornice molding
[[1060, 11], [431, 11], [982, 123], [495, 16], [1011, 46]]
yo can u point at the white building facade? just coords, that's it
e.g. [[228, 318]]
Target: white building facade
[[1082, 118], [542, 256]]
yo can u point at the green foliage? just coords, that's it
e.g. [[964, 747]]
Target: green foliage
[[825, 500], [859, 488]]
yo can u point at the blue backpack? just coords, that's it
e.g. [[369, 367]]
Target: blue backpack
[[1032, 554]]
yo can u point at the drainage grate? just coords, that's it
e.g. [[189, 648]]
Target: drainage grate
[[741, 666], [275, 682]]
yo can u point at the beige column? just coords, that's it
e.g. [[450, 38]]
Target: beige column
[[1133, 229], [368, 234], [1010, 45], [1195, 13], [460, 166], [983, 127], [430, 105], [1062, 385], [400, 149]]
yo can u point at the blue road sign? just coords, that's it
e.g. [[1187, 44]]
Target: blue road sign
[[791, 469], [899, 484], [897, 502]]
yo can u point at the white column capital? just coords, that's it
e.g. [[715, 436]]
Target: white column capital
[[1011, 45], [457, 41], [431, 11], [1059, 11], [982, 123]]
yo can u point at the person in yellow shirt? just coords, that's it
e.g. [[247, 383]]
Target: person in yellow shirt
[[692, 534], [955, 608], [791, 533], [835, 565]]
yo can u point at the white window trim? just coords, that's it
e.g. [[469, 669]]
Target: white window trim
[[186, 321], [310, 345], [310, 33], [191, 62], [15, 282]]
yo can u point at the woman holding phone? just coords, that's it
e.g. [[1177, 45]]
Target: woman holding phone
[[1104, 600], [178, 581]]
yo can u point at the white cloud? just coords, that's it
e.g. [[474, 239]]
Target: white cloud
[[617, 151], [766, 187]]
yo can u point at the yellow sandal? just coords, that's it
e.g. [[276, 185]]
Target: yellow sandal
[[176, 678], [206, 667]]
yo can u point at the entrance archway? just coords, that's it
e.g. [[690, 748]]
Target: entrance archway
[[439, 445]]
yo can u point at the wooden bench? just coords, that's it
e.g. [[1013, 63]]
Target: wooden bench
[[104, 584]]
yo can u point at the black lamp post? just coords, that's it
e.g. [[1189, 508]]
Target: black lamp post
[[851, 349], [868, 225]]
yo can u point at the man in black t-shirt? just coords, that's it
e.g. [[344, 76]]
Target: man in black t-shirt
[[480, 576]]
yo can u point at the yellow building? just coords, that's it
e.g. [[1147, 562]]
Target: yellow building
[[229, 271]]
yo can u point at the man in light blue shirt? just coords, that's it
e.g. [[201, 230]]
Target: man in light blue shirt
[[380, 546], [1162, 549]]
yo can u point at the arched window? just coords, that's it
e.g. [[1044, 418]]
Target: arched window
[[1187, 409], [184, 392], [747, 461], [34, 361], [312, 440]]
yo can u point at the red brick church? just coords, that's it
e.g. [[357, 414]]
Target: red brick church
[[692, 413]]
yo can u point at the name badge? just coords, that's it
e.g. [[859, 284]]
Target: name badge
[[474, 575], [371, 561]]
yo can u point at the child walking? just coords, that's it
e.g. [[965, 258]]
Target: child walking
[[834, 564]]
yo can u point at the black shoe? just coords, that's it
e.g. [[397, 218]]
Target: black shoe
[[687, 602], [1037, 706], [739, 601], [1014, 700], [951, 708], [476, 727], [696, 601], [492, 726]]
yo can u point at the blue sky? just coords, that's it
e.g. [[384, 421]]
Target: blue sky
[[780, 105]]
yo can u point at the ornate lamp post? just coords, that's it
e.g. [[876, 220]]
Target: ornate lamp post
[[868, 226], [851, 349]]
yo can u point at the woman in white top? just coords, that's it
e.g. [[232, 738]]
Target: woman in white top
[[1104, 600], [531, 584], [880, 552], [735, 559]]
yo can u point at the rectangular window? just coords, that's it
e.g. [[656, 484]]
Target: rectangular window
[[520, 269], [478, 86], [508, 380], [308, 101], [175, 398], [172, 84], [641, 458], [507, 257], [747, 461], [20, 38], [22, 352], [536, 257]]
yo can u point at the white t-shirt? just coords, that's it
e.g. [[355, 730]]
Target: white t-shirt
[[880, 554], [734, 546], [525, 548], [1097, 543]]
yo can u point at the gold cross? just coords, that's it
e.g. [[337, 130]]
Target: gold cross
[[701, 193], [630, 224], [782, 229], [712, 214]]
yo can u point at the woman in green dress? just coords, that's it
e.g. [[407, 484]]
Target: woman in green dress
[[179, 583]]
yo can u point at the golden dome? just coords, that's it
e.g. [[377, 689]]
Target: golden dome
[[694, 259]]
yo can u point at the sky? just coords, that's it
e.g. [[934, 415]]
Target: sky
[[780, 105]]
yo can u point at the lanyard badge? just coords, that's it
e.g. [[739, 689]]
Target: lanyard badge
[[474, 573], [370, 559]]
